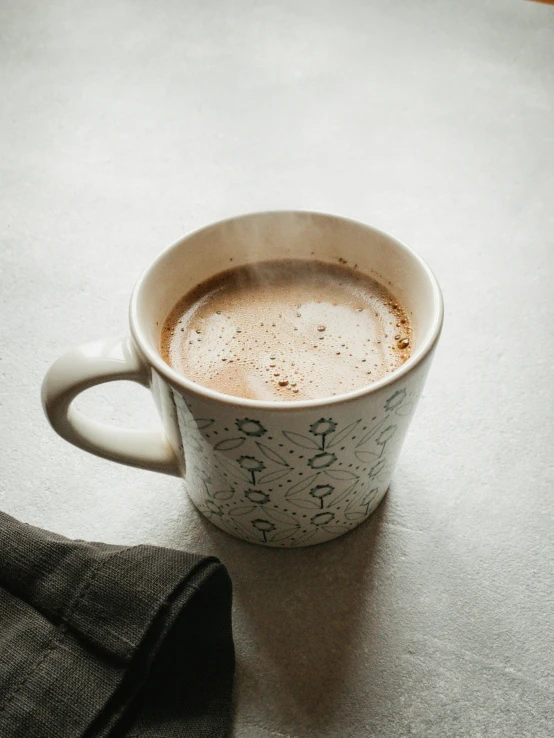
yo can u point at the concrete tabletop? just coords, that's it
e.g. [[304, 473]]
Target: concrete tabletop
[[128, 124]]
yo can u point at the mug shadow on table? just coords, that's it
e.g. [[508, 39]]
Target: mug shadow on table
[[298, 616]]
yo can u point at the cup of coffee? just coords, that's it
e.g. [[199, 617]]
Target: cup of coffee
[[286, 352]]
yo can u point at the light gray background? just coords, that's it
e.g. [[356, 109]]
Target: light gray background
[[127, 124]]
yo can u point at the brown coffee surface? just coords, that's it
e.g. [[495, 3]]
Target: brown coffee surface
[[287, 330]]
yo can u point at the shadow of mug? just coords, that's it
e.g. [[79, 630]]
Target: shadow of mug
[[298, 614]]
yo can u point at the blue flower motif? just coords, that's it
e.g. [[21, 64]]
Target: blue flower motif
[[322, 461], [395, 400], [323, 426], [251, 464], [257, 496], [264, 526], [323, 518], [250, 427], [320, 491]]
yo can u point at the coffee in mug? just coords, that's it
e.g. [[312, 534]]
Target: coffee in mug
[[287, 330]]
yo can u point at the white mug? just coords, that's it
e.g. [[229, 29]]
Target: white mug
[[276, 473]]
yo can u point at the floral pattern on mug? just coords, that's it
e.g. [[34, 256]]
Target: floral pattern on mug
[[292, 486]]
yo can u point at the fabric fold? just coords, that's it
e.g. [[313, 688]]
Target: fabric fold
[[103, 640]]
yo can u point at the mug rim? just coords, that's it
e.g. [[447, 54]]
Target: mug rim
[[205, 393]]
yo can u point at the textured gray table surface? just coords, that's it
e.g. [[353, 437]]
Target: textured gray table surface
[[127, 124]]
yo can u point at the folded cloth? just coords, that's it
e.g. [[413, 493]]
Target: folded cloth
[[100, 640]]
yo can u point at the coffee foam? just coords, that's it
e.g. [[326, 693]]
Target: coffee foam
[[287, 330]]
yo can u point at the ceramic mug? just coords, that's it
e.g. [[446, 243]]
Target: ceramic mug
[[274, 473]]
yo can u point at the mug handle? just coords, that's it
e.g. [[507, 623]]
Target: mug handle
[[84, 367]]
